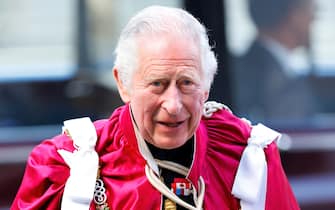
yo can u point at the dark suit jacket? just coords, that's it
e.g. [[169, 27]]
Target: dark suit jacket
[[264, 92]]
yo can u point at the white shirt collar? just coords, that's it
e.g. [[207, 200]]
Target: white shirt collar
[[282, 54]]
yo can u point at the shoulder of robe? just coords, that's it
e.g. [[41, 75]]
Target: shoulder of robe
[[221, 122]]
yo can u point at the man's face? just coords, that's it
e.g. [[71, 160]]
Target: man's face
[[167, 93], [301, 21]]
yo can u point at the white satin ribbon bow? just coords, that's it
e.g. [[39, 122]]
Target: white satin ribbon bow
[[83, 163], [251, 178]]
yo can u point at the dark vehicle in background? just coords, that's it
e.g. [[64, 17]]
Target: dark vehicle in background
[[56, 60]]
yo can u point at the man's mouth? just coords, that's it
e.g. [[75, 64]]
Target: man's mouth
[[171, 124]]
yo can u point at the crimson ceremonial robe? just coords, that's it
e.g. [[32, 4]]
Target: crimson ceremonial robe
[[219, 143]]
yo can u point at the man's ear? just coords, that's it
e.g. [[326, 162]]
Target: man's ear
[[205, 96], [121, 88]]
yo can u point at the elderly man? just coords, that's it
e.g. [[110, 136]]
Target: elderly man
[[165, 148]]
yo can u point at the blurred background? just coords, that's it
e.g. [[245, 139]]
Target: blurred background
[[276, 66]]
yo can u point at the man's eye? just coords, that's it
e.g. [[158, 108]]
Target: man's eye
[[187, 82], [187, 86], [157, 86], [156, 83]]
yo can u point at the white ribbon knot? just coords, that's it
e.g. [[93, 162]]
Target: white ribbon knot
[[251, 178], [83, 163]]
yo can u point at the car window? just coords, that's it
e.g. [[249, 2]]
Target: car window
[[283, 61], [37, 40], [56, 58]]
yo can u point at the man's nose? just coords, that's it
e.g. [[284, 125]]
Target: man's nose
[[172, 101]]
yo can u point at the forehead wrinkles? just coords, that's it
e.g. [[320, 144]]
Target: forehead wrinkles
[[169, 64]]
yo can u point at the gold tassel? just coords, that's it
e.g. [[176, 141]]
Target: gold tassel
[[169, 205]]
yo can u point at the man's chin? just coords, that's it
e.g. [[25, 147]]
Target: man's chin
[[169, 143]]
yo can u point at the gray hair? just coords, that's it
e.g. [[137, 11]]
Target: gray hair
[[154, 20]]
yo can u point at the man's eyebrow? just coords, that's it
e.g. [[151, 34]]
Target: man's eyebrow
[[154, 76]]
